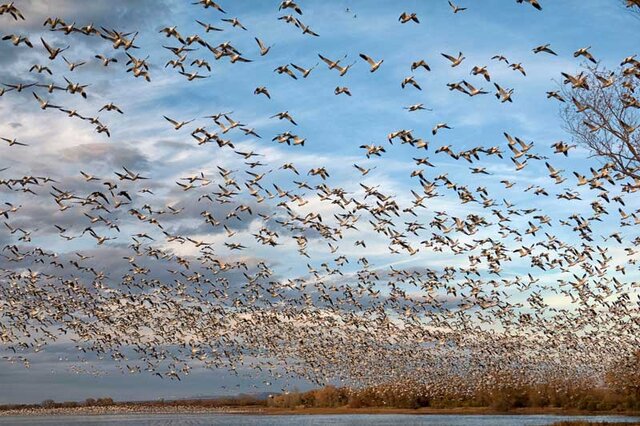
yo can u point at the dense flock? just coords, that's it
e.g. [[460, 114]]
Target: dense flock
[[168, 278]]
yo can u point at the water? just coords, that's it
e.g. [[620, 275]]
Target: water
[[306, 420]]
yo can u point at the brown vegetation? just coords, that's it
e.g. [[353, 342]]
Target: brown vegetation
[[502, 392], [583, 423]]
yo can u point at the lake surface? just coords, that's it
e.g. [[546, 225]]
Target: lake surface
[[266, 420]]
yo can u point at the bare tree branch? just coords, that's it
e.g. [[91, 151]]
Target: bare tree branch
[[602, 114], [632, 5]]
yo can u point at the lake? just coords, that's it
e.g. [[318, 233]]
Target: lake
[[267, 420]]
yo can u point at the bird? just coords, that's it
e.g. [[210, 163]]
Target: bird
[[439, 126], [544, 48], [193, 75], [210, 3], [234, 22], [455, 8], [416, 107], [16, 40], [40, 69], [500, 58], [284, 69], [584, 52], [455, 61], [518, 67], [73, 65], [262, 91], [372, 63], [504, 95], [407, 17], [472, 91], [533, 3], [177, 125], [340, 90], [482, 71], [43, 103], [410, 80], [290, 4], [263, 49], [284, 116], [305, 72], [13, 142], [53, 52], [331, 64], [110, 107], [208, 27], [106, 60]]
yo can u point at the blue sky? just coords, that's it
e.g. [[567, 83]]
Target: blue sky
[[334, 128]]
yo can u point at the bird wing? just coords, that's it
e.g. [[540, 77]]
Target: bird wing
[[170, 120], [368, 59], [46, 46], [449, 57]]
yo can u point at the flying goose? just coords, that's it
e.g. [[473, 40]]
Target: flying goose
[[340, 90], [13, 142], [17, 39], [105, 60], [544, 48], [455, 61], [406, 17], [40, 69], [331, 64], [455, 8], [518, 67], [533, 3], [53, 52], [210, 3], [284, 69], [177, 125], [410, 80], [44, 104], [421, 63], [263, 49], [305, 72], [482, 71], [234, 22], [110, 107], [585, 53], [208, 27], [416, 107], [373, 64], [284, 116], [262, 91], [503, 94], [73, 65], [290, 4]]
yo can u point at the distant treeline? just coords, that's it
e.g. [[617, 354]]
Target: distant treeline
[[227, 401]]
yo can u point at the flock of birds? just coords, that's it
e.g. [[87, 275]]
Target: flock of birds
[[198, 299]]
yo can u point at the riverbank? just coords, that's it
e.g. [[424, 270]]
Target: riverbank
[[125, 409]]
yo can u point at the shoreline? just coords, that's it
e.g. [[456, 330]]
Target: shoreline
[[261, 410]]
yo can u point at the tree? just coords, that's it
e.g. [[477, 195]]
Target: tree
[[624, 378], [632, 5], [603, 115], [48, 403]]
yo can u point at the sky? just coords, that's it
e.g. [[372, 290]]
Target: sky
[[334, 128]]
